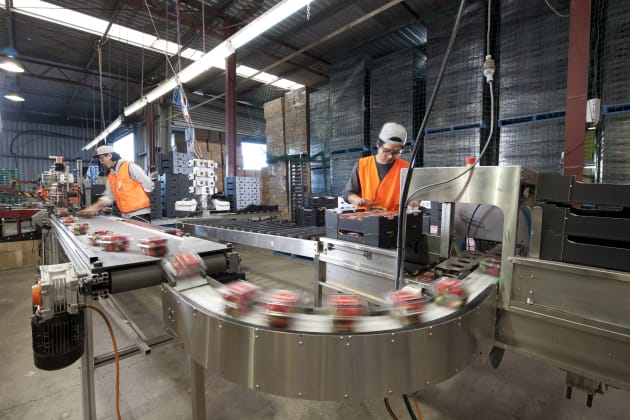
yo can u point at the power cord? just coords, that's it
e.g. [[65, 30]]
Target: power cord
[[113, 337], [402, 219], [555, 11]]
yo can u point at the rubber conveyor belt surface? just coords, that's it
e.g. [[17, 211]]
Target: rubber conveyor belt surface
[[131, 269]]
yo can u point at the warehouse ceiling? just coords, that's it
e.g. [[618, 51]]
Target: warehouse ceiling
[[81, 76]]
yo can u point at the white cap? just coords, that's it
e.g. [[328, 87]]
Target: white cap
[[393, 133], [104, 150]]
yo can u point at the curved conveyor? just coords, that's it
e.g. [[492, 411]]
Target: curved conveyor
[[380, 359]]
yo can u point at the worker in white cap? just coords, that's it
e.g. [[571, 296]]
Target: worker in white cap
[[127, 185], [375, 180]]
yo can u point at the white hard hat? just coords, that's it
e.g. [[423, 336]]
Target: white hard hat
[[104, 150], [393, 133]]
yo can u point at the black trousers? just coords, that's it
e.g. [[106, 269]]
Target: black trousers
[[146, 218]]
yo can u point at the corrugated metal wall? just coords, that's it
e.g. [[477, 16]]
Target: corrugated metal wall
[[249, 121], [26, 146]]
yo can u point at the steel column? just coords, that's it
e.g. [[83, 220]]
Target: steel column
[[198, 389], [230, 115], [87, 367], [577, 87]]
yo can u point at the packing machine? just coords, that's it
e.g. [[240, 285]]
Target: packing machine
[[86, 262], [561, 311], [530, 250]]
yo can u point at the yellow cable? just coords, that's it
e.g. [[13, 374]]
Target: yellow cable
[[415, 403], [111, 334]]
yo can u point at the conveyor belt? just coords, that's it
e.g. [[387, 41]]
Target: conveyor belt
[[380, 358], [131, 269], [291, 239]]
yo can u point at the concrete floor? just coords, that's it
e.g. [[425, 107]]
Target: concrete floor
[[157, 386]]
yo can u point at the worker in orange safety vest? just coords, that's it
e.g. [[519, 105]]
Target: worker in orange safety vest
[[375, 180], [127, 185]]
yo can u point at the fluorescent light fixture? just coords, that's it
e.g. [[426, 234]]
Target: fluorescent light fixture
[[80, 21], [110, 128], [265, 77], [164, 45], [248, 72], [60, 15], [136, 106], [265, 21], [245, 71], [14, 96], [10, 64], [286, 84], [214, 58], [161, 90]]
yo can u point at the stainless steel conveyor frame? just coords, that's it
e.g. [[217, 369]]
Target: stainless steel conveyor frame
[[102, 274], [570, 316]]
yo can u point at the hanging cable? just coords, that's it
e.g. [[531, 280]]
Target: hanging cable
[[555, 11], [472, 216], [417, 405], [409, 409], [179, 97], [99, 51], [389, 409], [203, 26], [402, 220], [113, 337]]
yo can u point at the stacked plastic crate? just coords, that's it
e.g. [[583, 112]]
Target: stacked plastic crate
[[616, 94], [349, 92], [394, 84], [320, 132], [202, 180], [7, 175], [296, 128], [341, 165], [454, 125], [242, 191], [174, 169], [156, 200], [532, 84]]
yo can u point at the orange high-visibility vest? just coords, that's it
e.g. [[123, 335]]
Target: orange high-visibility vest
[[385, 193], [129, 194]]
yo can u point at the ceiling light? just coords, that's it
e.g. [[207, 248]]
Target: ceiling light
[[14, 96], [114, 125], [9, 62], [214, 57], [265, 21]]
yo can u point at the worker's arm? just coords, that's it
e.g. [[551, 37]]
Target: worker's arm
[[352, 192], [138, 174], [105, 200]]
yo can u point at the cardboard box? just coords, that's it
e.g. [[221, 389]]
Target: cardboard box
[[19, 254]]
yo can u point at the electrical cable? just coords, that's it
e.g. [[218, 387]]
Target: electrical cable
[[179, 95], [402, 220], [528, 222], [472, 216], [417, 405], [100, 81], [113, 337], [409, 409], [555, 11], [389, 409]]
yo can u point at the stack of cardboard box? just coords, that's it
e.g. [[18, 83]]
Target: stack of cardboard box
[[297, 145], [274, 176]]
